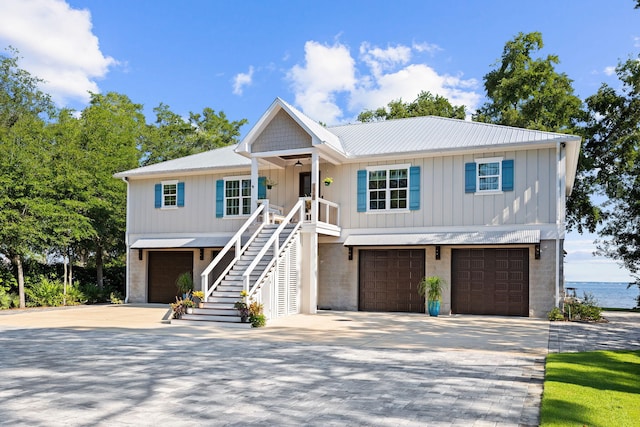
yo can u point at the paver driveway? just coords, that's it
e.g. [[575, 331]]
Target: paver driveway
[[121, 365]]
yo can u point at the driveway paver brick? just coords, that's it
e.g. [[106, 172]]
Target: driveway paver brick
[[124, 365]]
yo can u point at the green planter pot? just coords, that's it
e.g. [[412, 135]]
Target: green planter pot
[[433, 307]]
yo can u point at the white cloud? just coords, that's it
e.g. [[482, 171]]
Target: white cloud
[[241, 80], [57, 45], [636, 42], [327, 71], [610, 71], [380, 75], [426, 47], [380, 60]]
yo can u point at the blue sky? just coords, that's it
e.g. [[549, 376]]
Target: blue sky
[[331, 59]]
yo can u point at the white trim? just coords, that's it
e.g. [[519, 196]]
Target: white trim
[[162, 199], [387, 189], [239, 178], [485, 160]]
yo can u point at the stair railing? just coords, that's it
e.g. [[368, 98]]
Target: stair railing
[[273, 242], [235, 242]]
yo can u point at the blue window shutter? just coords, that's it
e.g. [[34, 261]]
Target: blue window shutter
[[262, 187], [362, 190], [470, 177], [220, 198], [414, 188], [507, 175], [158, 193], [180, 194]]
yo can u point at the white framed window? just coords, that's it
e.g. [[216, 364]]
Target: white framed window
[[169, 194], [388, 188], [489, 175], [237, 196]]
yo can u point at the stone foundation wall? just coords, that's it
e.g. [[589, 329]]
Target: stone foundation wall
[[542, 278], [338, 278]]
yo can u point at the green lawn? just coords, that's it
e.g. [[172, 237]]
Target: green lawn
[[599, 388]]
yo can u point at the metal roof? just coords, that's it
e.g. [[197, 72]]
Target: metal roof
[[189, 242], [454, 238], [431, 133], [220, 158], [416, 135]]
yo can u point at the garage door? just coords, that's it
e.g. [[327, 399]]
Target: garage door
[[164, 269], [490, 281], [389, 280]]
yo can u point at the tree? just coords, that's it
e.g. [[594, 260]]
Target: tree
[[426, 104], [70, 172], [25, 210], [527, 92], [172, 136], [110, 132], [612, 150]]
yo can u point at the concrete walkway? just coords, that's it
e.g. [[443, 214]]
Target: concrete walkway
[[126, 365]]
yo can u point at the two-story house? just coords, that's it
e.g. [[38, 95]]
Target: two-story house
[[480, 205]]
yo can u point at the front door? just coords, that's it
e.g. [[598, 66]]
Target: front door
[[304, 189]]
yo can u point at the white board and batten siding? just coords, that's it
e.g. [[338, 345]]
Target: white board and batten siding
[[444, 202], [197, 216]]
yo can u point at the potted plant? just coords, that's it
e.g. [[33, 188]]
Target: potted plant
[[328, 181], [256, 315], [184, 283], [200, 296], [242, 307], [188, 305], [270, 183], [432, 287], [178, 308]]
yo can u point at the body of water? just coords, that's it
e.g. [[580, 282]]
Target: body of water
[[607, 294]]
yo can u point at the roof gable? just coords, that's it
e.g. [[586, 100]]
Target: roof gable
[[320, 136], [281, 133]]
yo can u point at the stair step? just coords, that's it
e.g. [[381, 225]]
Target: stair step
[[228, 310], [218, 306], [212, 318], [202, 322], [235, 287], [226, 294], [222, 299]]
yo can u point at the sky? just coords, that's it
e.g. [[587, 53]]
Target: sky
[[331, 59]]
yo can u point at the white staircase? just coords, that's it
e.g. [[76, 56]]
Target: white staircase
[[255, 256]]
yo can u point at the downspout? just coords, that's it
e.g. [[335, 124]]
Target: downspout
[[126, 243], [560, 206]]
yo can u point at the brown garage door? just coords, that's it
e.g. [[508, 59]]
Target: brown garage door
[[389, 280], [164, 269], [490, 281]]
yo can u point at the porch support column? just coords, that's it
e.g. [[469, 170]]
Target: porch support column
[[309, 271], [254, 184], [315, 178]]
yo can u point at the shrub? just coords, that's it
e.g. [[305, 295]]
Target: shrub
[[5, 300], [74, 295], [44, 292], [587, 309], [92, 293], [555, 314], [116, 298]]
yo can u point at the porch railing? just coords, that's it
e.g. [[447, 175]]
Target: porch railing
[[272, 244], [236, 243]]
